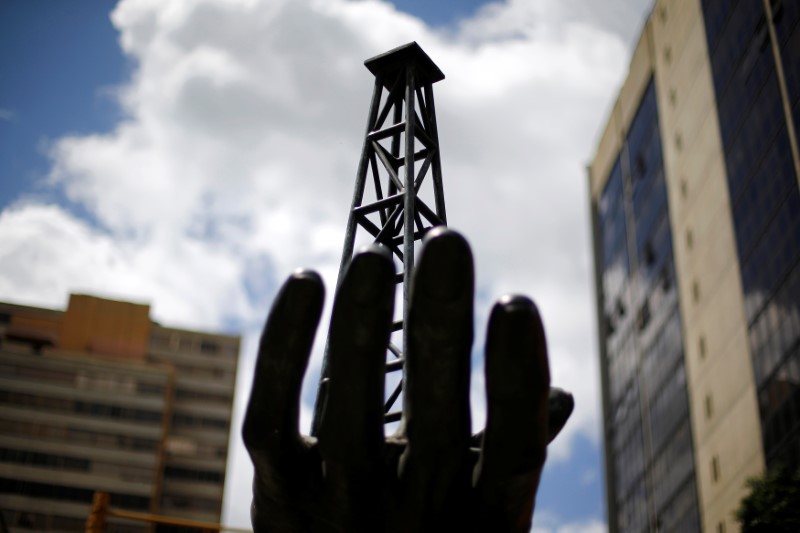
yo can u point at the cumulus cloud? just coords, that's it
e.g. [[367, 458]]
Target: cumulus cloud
[[47, 253], [235, 161], [594, 526]]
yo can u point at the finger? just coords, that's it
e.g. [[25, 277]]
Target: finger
[[436, 409], [559, 408], [440, 338], [351, 426], [515, 439], [270, 428], [351, 429], [560, 405]]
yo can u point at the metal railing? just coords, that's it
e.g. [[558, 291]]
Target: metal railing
[[101, 511]]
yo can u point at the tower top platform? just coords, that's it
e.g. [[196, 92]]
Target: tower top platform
[[389, 63]]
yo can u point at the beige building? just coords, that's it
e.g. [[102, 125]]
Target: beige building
[[696, 223], [101, 398]]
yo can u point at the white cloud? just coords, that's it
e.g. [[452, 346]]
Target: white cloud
[[546, 522], [236, 160], [7, 114], [46, 253]]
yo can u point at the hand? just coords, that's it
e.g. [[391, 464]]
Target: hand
[[432, 475]]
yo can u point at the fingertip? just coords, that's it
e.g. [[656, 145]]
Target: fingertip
[[560, 407], [517, 303], [512, 308], [301, 297], [306, 274], [561, 400], [375, 249], [516, 335], [446, 239], [370, 274], [440, 231], [515, 322], [445, 268]]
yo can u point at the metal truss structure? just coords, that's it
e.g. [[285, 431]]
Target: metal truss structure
[[393, 211]]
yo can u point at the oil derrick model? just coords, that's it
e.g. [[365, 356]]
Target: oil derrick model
[[394, 204]]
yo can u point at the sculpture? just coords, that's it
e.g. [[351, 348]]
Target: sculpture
[[432, 474], [396, 211], [429, 476]]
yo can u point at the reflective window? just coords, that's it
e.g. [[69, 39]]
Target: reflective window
[[764, 196], [650, 437]]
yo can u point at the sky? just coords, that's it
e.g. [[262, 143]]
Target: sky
[[191, 154]]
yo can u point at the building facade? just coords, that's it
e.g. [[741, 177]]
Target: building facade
[[696, 223], [101, 398]]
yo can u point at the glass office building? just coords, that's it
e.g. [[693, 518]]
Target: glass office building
[[754, 94], [649, 435], [696, 223]]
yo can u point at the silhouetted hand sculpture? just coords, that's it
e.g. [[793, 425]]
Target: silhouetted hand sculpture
[[431, 476]]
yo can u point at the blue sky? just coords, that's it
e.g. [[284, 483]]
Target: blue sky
[[92, 138], [60, 62]]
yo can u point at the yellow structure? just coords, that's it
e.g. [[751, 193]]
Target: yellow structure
[[96, 325], [99, 397], [704, 122]]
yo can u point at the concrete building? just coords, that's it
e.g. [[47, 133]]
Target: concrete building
[[696, 223], [99, 397]]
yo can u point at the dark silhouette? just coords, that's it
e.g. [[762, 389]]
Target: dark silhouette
[[401, 132], [431, 475]]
